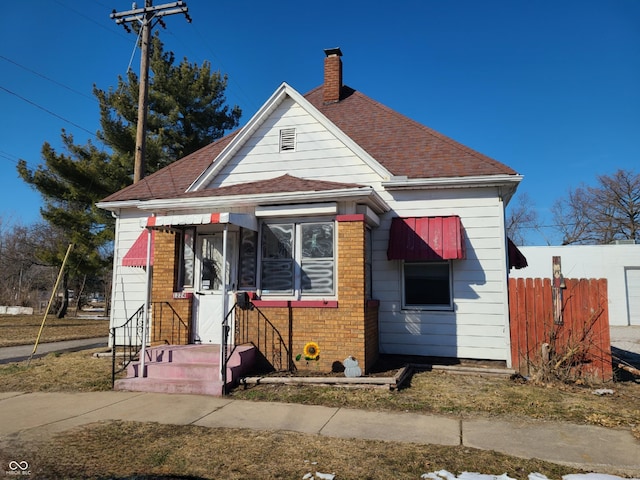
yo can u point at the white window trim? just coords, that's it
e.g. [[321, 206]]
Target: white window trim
[[297, 261], [430, 308]]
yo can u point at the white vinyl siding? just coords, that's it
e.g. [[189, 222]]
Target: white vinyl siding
[[318, 155], [129, 286], [477, 324]]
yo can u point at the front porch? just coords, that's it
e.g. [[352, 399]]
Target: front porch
[[193, 369]]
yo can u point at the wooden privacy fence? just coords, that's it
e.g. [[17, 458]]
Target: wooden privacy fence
[[575, 341]]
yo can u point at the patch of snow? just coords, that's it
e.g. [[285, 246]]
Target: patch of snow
[[319, 476], [444, 475], [603, 391]]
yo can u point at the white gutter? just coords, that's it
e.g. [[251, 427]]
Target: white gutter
[[114, 206], [402, 183]]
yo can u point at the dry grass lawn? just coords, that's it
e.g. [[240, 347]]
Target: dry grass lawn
[[135, 450], [128, 450], [23, 329]]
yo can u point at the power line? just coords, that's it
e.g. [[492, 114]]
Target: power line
[[48, 111], [9, 157], [104, 27], [47, 78]]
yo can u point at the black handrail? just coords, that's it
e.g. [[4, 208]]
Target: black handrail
[[226, 355], [131, 334], [158, 316], [259, 332]]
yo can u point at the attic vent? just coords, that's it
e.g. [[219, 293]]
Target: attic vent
[[287, 139]]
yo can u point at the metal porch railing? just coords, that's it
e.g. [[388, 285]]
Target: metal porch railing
[[168, 325], [253, 327], [126, 342]]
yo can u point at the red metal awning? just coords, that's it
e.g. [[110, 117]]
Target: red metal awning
[[516, 259], [426, 238], [137, 254]]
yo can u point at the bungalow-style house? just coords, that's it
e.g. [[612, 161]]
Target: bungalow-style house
[[350, 228]]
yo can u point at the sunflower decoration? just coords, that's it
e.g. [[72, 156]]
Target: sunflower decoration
[[311, 351]]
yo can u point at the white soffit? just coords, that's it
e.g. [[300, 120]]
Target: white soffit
[[329, 208]]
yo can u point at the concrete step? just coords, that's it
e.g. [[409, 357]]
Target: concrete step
[[186, 369], [156, 385], [183, 371], [185, 354]]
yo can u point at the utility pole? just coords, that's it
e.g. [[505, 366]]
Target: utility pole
[[147, 17]]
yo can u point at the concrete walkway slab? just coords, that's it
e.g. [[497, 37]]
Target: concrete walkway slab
[[270, 416], [393, 427], [20, 353], [39, 409], [570, 444], [156, 407]]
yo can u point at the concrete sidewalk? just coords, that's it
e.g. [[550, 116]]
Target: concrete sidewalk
[[38, 416], [20, 353]]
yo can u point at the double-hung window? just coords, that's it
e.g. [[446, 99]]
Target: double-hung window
[[297, 259], [427, 285], [185, 252]]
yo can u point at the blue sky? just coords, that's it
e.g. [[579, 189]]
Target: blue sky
[[548, 87]]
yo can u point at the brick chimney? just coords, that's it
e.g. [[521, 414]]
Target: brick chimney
[[332, 75]]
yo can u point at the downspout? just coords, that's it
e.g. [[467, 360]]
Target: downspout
[[145, 316], [225, 237], [114, 278], [505, 295]]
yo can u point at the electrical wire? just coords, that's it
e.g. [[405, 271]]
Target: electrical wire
[[135, 47], [41, 75], [48, 111]]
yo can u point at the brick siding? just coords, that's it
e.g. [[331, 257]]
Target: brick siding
[[348, 327], [171, 318]]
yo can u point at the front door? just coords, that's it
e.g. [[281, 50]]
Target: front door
[[210, 303]]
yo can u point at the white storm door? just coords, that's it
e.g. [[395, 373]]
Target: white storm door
[[209, 303]]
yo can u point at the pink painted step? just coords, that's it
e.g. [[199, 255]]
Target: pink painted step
[[168, 385], [186, 369]]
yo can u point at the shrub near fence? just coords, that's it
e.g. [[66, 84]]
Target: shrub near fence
[[577, 347]]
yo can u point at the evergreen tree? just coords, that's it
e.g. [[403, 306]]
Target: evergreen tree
[[186, 112]]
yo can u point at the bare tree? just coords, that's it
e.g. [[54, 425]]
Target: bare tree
[[521, 219], [23, 276], [600, 214]]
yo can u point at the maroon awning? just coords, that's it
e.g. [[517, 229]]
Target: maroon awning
[[426, 238], [516, 259], [137, 254]]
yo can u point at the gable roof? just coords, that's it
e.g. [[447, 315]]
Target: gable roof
[[400, 145], [403, 146]]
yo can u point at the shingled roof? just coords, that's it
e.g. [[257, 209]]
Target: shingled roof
[[401, 145], [283, 183]]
